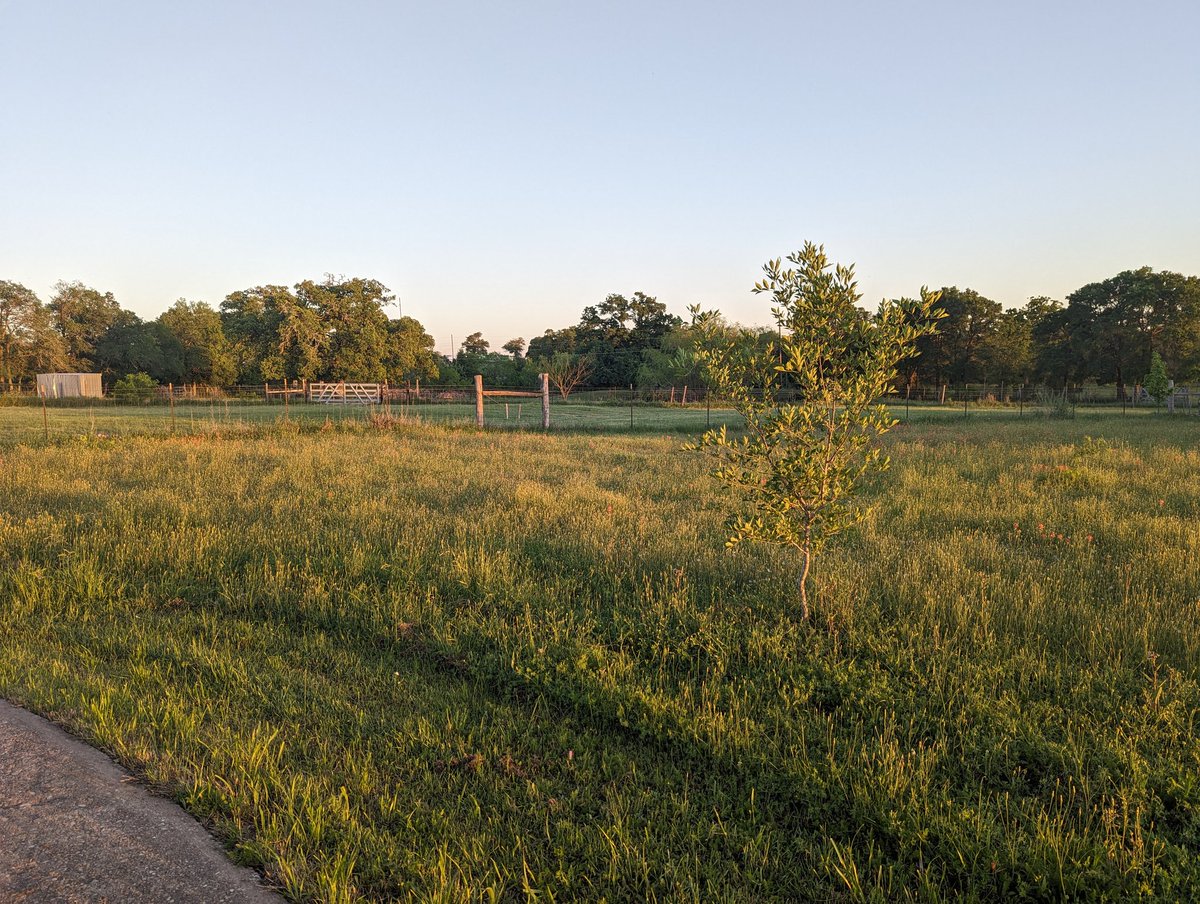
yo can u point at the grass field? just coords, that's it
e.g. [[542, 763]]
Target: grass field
[[74, 419], [426, 663], [25, 424]]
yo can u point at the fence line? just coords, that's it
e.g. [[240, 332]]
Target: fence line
[[418, 396]]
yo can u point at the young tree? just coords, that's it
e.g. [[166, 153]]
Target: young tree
[[1158, 384], [809, 400], [567, 371]]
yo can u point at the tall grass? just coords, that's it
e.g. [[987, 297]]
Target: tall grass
[[429, 664]]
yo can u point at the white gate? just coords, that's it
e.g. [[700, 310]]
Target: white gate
[[345, 393]]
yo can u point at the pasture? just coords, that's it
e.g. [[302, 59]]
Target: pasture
[[419, 662], [24, 423]]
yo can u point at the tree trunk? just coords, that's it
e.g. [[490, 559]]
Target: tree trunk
[[807, 553]]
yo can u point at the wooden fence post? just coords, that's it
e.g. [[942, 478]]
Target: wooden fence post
[[684, 402], [545, 378], [478, 400]]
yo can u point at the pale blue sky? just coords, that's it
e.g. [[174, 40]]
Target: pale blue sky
[[501, 165]]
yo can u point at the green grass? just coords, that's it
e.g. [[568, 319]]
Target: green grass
[[426, 663], [73, 419], [64, 421]]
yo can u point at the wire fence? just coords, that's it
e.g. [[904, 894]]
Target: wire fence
[[1134, 395], [203, 410]]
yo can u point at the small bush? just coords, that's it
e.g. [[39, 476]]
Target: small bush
[[1055, 404], [137, 387]]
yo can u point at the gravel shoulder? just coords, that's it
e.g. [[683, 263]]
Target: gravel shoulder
[[76, 827]]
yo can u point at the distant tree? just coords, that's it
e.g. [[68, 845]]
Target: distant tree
[[206, 355], [474, 358], [809, 401], [475, 344], [273, 335], [29, 343], [1011, 353], [1053, 348], [552, 342], [515, 347], [501, 370], [667, 367], [958, 352], [639, 320], [81, 316], [566, 372], [410, 351], [136, 387], [673, 362], [448, 374], [1112, 326], [1158, 384], [617, 333], [131, 345], [350, 315]]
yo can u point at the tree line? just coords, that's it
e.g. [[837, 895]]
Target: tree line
[[340, 329], [1107, 333], [337, 329]]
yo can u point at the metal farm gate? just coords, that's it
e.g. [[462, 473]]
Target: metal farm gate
[[345, 393]]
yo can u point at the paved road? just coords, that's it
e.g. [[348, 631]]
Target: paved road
[[74, 827]]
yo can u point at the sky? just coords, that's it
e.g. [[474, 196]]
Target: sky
[[501, 165]]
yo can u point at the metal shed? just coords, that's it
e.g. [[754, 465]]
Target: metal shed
[[70, 386]]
